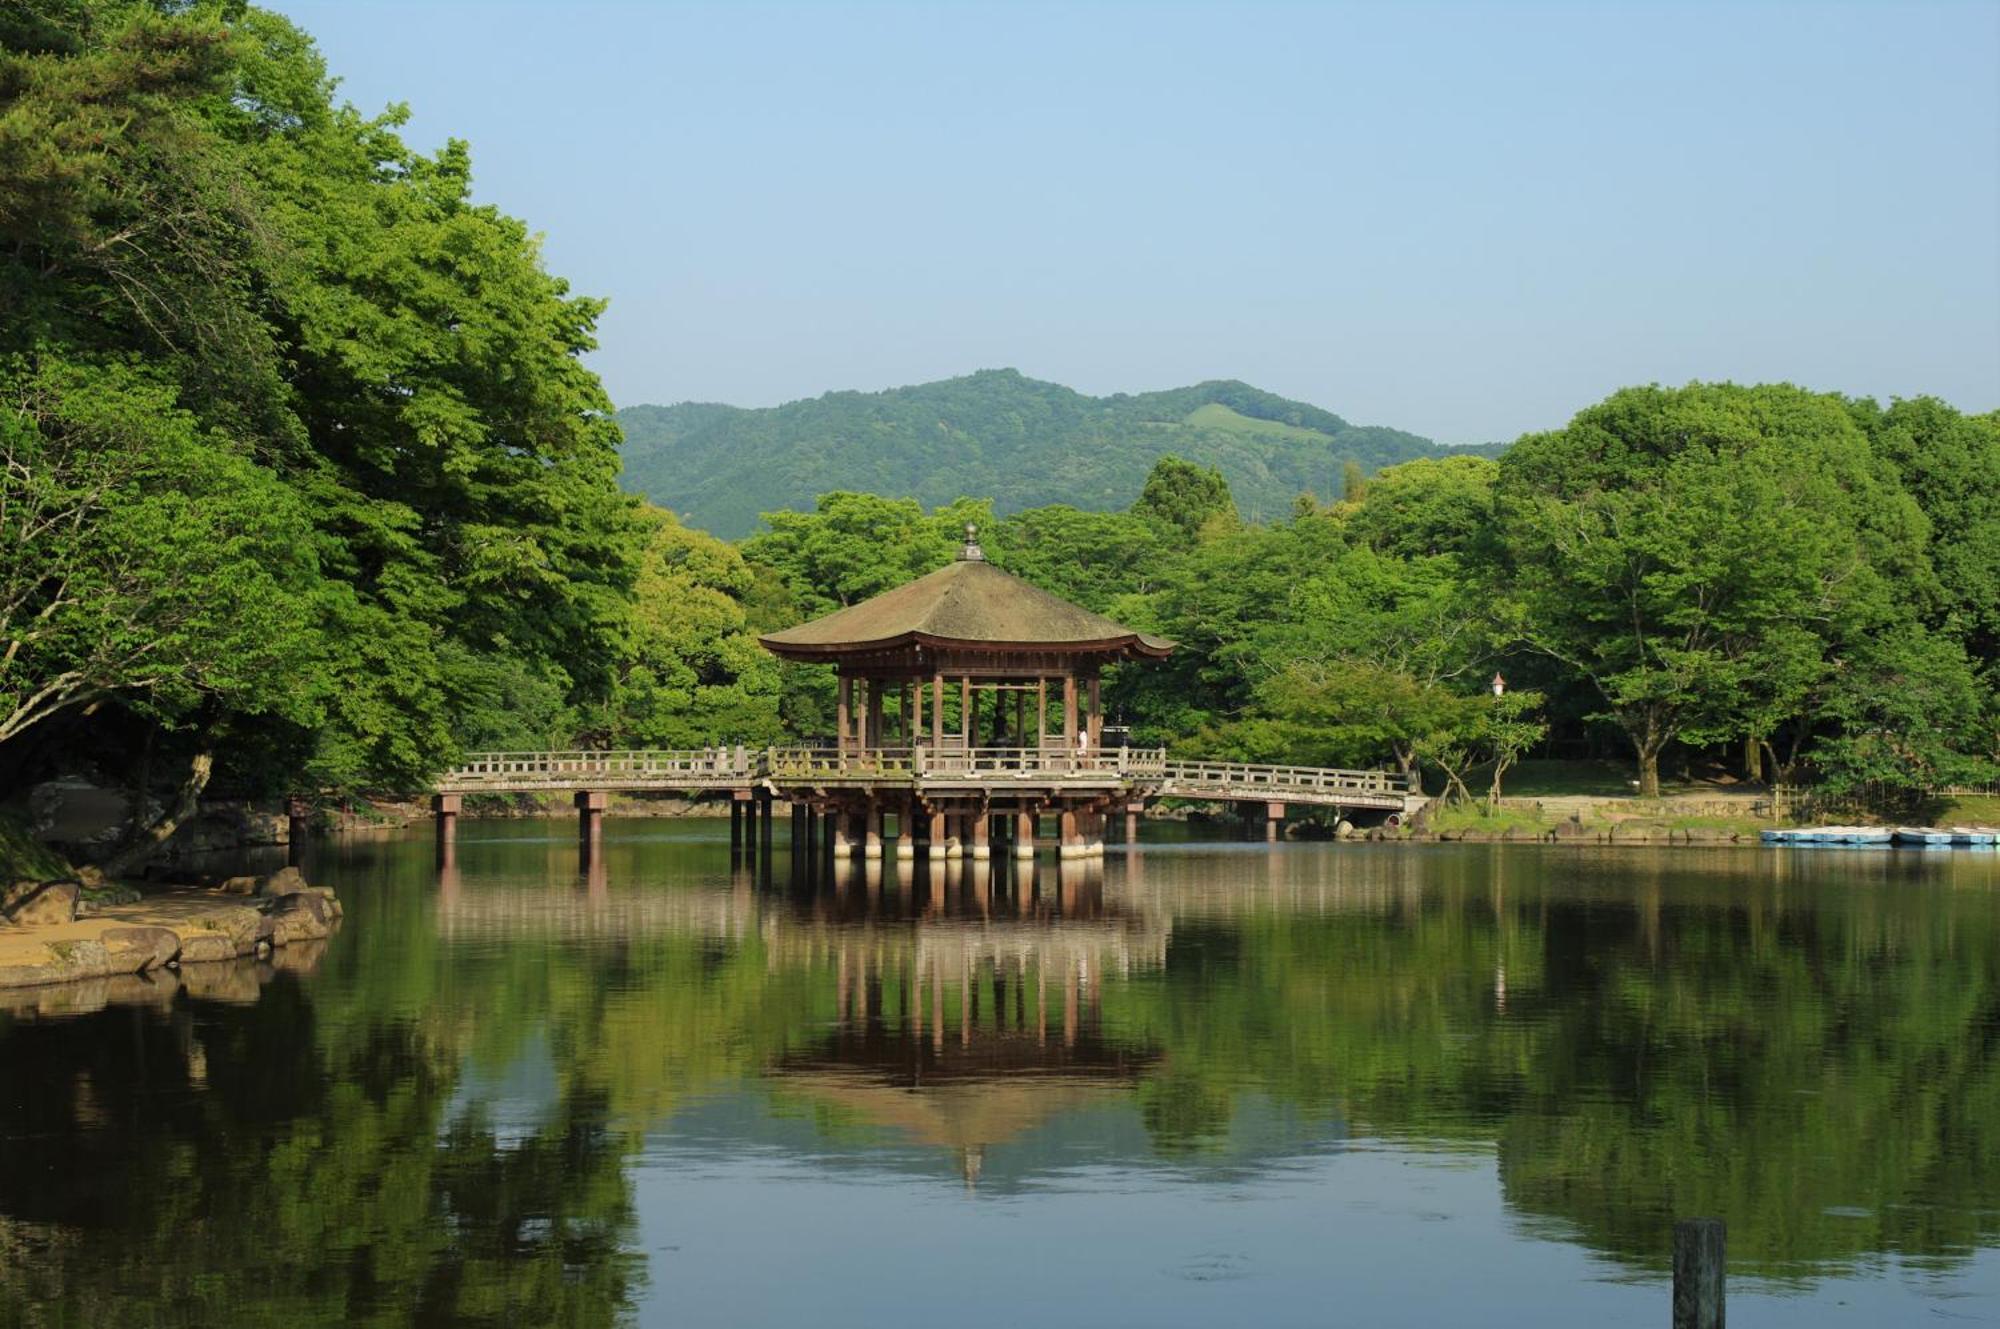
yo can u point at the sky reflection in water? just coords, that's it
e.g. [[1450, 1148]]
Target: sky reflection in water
[[1309, 1084]]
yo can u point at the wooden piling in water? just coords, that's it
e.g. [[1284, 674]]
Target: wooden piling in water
[[1699, 1262]]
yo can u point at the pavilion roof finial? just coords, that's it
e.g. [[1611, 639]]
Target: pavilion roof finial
[[972, 553]]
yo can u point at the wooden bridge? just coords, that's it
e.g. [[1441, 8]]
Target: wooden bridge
[[942, 797], [1146, 772]]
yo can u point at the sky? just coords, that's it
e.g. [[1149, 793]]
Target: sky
[[1467, 220]]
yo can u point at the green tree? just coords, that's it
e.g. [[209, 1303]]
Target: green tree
[[1691, 552], [692, 674], [363, 387], [1186, 497]]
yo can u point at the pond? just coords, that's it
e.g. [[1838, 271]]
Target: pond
[[1197, 1083]]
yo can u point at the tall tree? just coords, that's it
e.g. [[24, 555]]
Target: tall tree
[[1689, 551]]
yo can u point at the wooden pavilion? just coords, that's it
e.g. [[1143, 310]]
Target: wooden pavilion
[[968, 664]]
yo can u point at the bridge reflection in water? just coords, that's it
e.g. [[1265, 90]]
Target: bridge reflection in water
[[966, 1002]]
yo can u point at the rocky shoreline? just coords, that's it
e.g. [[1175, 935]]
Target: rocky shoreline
[[51, 933]]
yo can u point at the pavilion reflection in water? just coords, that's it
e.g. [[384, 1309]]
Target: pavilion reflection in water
[[967, 996]]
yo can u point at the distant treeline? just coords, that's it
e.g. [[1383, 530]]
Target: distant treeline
[[1017, 441], [304, 488]]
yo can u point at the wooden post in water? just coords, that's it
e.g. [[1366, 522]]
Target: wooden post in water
[[1698, 1273], [446, 808], [590, 805], [1274, 822], [1024, 836]]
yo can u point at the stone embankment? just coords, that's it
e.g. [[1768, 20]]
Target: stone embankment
[[50, 933]]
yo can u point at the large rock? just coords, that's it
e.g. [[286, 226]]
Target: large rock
[[54, 902], [285, 881], [136, 949], [301, 917], [239, 885], [206, 947]]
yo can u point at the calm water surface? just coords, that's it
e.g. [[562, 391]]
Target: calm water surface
[[1205, 1083]]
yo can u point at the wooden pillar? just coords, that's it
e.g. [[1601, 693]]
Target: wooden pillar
[[909, 713], [1132, 811], [1071, 845], [937, 708], [735, 827], [1274, 821], [1069, 714], [590, 804], [982, 849], [872, 736], [843, 708], [445, 807], [938, 835], [1041, 713], [1699, 1264], [906, 831], [799, 814], [842, 832], [1021, 718], [871, 835], [1096, 714], [1024, 835], [966, 731], [764, 801]]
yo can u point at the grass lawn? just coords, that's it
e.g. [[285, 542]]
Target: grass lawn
[[1474, 817], [1971, 810], [1217, 416], [1597, 779]]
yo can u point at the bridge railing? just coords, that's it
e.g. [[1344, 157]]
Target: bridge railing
[[738, 766], [1314, 779], [702, 763]]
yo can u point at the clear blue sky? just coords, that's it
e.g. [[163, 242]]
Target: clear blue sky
[[1467, 220]]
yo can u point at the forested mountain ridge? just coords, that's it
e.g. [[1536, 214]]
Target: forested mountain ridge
[[999, 434]]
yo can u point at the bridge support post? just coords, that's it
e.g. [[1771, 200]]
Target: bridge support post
[[1274, 822], [445, 808], [765, 802], [801, 819], [1072, 835], [871, 833], [590, 805], [906, 832], [841, 832], [1024, 836], [1132, 811], [936, 846], [982, 848], [742, 822]]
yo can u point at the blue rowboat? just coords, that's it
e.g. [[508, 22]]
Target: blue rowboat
[[1921, 835], [1973, 835]]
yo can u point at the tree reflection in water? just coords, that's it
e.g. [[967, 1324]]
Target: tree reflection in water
[[1810, 1050]]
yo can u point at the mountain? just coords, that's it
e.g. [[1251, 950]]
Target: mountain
[[995, 434]]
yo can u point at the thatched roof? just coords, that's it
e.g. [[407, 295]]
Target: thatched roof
[[968, 603]]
